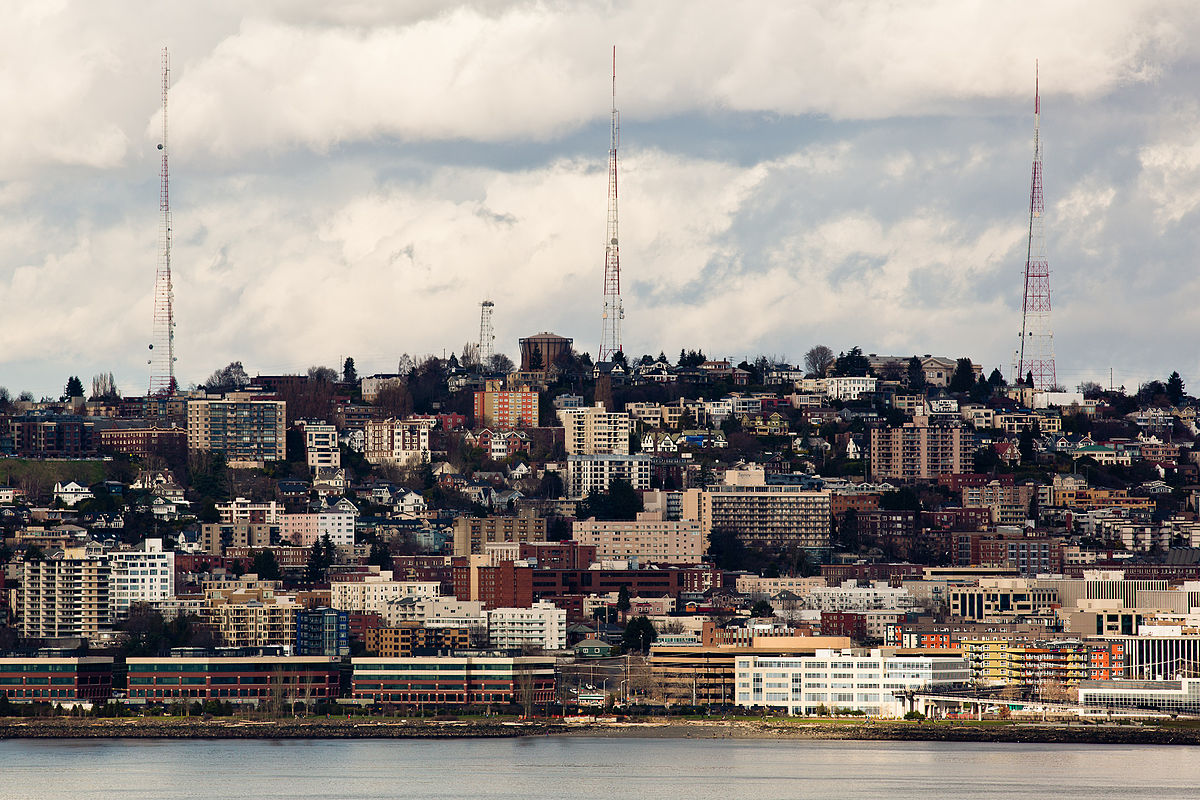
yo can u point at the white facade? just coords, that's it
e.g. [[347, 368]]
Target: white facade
[[243, 510], [858, 598], [437, 612], [848, 387], [70, 493], [543, 626], [401, 442], [304, 530], [858, 680], [376, 591], [321, 445], [142, 575], [648, 538], [594, 431], [586, 474]]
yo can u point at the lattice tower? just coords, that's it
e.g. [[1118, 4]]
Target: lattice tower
[[162, 346], [1036, 352], [614, 310]]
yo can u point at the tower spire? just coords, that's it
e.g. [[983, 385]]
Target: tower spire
[[162, 346], [1036, 352], [614, 311]]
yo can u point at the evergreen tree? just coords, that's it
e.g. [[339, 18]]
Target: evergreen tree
[[349, 373], [1175, 388], [74, 387]]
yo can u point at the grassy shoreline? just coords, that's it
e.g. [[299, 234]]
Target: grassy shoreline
[[385, 728]]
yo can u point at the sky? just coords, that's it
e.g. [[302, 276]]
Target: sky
[[354, 178]]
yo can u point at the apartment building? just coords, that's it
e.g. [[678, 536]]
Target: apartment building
[[144, 574], [322, 632], [245, 616], [594, 431], [649, 538], [218, 537], [920, 451], [542, 626], [373, 592], [404, 443], [143, 442], [320, 444], [497, 407], [243, 510], [762, 514], [412, 638], [245, 431], [304, 530], [473, 534], [65, 594], [587, 474]]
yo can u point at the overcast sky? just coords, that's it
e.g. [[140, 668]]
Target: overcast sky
[[353, 178]]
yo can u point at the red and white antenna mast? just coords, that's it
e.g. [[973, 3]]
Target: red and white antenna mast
[[162, 347], [1036, 353], [614, 311]]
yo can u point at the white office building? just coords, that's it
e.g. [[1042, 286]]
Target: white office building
[[855, 679]]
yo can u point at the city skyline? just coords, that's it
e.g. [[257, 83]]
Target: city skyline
[[353, 182]]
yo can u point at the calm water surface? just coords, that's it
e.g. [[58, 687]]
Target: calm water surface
[[585, 768]]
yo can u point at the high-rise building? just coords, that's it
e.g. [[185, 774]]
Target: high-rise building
[[497, 407], [920, 451], [145, 574], [243, 430], [65, 594], [761, 514], [473, 534], [594, 431]]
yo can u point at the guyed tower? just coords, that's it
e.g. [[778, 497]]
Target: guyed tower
[[1036, 353], [162, 345], [614, 311]]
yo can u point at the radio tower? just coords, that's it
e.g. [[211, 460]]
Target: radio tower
[[486, 336], [162, 347], [1036, 353], [614, 311]]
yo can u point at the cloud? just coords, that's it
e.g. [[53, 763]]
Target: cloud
[[354, 178]]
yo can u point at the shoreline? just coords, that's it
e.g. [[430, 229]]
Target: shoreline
[[771, 729]]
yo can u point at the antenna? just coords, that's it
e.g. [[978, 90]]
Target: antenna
[[1036, 352], [486, 337], [614, 310], [162, 347]]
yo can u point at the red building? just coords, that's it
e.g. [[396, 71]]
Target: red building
[[29, 679], [143, 442], [250, 680]]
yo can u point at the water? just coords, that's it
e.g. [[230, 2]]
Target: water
[[586, 768]]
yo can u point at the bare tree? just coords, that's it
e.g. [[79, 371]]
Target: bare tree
[[818, 360], [104, 387], [470, 355], [322, 374], [395, 400], [227, 379]]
